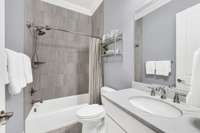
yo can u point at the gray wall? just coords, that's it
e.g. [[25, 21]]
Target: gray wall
[[15, 41], [119, 14], [159, 37], [2, 23], [98, 21]]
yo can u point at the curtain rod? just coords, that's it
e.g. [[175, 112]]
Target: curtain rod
[[31, 25]]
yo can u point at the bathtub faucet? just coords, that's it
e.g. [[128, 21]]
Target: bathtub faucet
[[37, 101]]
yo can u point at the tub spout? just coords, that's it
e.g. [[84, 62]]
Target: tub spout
[[37, 101]]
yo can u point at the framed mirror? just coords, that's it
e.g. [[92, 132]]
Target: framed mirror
[[165, 42]]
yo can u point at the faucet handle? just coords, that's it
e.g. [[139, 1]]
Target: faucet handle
[[176, 98], [153, 91], [163, 93], [33, 91]]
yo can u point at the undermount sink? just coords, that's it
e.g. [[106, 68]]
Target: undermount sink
[[155, 106]]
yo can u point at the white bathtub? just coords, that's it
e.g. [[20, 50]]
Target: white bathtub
[[54, 114]]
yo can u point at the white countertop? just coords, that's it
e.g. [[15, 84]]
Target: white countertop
[[189, 122]]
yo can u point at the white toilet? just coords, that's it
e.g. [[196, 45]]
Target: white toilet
[[92, 116]]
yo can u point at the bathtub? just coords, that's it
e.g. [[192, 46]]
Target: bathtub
[[54, 114]]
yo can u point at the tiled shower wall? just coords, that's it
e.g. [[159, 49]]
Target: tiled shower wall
[[65, 72]]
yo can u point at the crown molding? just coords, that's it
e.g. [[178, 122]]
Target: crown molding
[[149, 6], [96, 6], [68, 5]]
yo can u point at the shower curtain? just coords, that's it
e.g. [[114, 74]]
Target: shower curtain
[[95, 71]]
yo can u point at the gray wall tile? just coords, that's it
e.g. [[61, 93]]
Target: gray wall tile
[[66, 55]]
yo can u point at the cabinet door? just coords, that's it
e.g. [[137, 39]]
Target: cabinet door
[[112, 126], [188, 41]]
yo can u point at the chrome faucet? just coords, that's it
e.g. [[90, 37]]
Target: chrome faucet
[[176, 98], [163, 93], [37, 101], [161, 90], [153, 91]]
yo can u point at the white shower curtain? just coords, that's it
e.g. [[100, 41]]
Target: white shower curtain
[[95, 71]]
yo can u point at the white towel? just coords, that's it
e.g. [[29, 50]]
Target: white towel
[[150, 67], [3, 67], [15, 72], [163, 68], [27, 69]]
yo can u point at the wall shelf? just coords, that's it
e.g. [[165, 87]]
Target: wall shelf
[[112, 46], [110, 41], [108, 55]]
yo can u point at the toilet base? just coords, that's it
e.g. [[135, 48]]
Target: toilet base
[[94, 127]]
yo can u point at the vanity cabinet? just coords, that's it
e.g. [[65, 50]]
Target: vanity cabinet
[[112, 126], [122, 122]]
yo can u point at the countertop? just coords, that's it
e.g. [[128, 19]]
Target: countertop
[[189, 122]]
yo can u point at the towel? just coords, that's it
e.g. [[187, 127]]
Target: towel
[[163, 68], [150, 67], [3, 67], [27, 69], [193, 97], [16, 74]]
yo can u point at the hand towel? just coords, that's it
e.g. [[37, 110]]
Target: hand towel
[[27, 69], [163, 68], [3, 67], [150, 67], [193, 97], [16, 74]]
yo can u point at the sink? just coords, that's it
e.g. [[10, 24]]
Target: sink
[[155, 106]]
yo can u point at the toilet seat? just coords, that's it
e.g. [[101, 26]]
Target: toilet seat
[[91, 112]]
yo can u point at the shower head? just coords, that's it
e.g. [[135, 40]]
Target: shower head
[[40, 30]]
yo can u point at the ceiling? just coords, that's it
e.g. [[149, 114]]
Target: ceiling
[[87, 7]]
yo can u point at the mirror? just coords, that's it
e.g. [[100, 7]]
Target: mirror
[[164, 47]]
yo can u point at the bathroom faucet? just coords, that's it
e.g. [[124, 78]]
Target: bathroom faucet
[[153, 91], [163, 93], [176, 98], [37, 101]]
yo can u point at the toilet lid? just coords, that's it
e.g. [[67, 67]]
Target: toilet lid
[[90, 111]]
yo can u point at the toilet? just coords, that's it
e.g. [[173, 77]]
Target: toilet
[[92, 116]]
